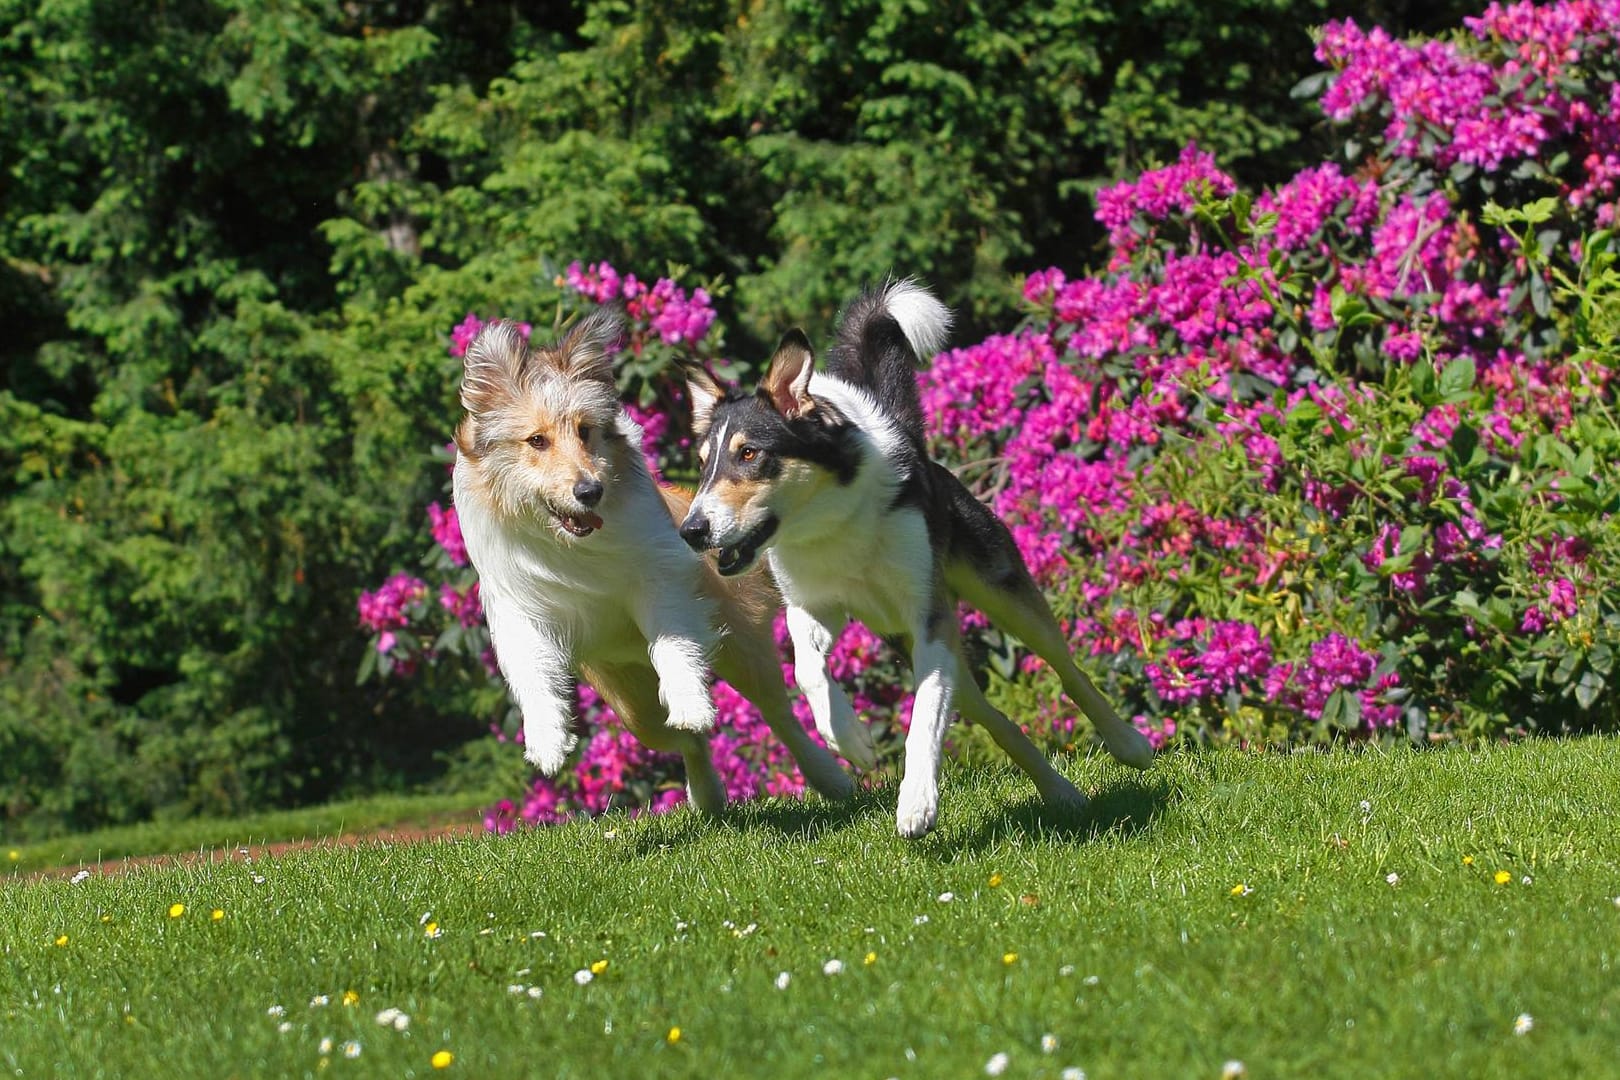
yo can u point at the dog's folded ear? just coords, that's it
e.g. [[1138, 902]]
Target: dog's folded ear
[[586, 353], [491, 366], [705, 393], [786, 384]]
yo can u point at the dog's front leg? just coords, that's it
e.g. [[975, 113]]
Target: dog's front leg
[[679, 649], [813, 638], [935, 665], [537, 669]]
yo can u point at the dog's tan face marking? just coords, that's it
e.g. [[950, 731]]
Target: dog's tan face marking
[[737, 442]]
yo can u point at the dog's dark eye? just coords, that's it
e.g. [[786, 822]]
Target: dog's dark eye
[[539, 442], [584, 433], [747, 453]]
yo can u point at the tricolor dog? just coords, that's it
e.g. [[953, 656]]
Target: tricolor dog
[[582, 574], [826, 473]]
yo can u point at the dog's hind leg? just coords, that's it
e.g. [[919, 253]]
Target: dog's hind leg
[[1018, 607], [747, 660], [1053, 787], [632, 692], [813, 636]]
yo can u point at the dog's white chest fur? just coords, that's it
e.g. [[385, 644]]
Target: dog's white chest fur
[[880, 576]]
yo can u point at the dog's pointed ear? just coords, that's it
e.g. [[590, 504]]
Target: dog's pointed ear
[[492, 365], [587, 351], [786, 384], [705, 393]]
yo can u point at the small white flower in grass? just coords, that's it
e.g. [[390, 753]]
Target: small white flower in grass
[[583, 976], [537, 934], [946, 897], [325, 1046], [319, 1001], [1072, 1073], [401, 1022], [79, 877], [919, 920], [423, 921], [1066, 970], [1049, 1043], [1091, 980], [522, 972], [258, 879], [536, 993], [275, 1010], [996, 1065], [782, 980], [515, 988], [386, 1017], [1234, 1070], [351, 1049], [1526, 880], [833, 967], [284, 1027], [1393, 879], [1523, 1023]]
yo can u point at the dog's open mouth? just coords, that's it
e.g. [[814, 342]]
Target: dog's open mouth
[[577, 523], [735, 558]]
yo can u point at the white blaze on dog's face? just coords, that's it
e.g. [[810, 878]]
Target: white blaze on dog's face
[[541, 432], [765, 458]]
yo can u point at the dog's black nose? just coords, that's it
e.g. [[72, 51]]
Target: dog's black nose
[[588, 492], [695, 531]]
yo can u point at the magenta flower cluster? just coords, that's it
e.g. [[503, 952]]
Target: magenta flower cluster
[[676, 317]]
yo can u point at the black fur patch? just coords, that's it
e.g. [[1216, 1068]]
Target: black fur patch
[[823, 438]]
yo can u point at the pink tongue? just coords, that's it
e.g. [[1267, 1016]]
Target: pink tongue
[[589, 519]]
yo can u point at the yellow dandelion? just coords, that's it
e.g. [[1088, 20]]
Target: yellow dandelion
[[217, 914], [350, 997], [1503, 877], [995, 881], [1241, 889], [13, 854], [106, 918], [432, 930], [442, 1059], [1468, 860], [1009, 958], [871, 958], [176, 910], [599, 967], [674, 1036], [61, 941]]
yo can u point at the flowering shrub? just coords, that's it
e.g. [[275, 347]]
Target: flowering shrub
[[1338, 458], [1334, 460]]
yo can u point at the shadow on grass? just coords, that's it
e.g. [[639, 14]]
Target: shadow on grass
[[1124, 808]]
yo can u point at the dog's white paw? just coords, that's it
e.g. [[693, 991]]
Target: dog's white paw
[[692, 710], [1059, 794], [852, 738], [1129, 747], [548, 750], [919, 808]]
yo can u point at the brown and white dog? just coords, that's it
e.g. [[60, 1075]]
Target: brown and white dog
[[827, 474], [582, 573]]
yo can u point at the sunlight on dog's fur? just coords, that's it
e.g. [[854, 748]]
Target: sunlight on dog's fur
[[828, 476], [582, 574]]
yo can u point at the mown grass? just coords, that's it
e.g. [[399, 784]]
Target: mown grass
[[1311, 915], [347, 818]]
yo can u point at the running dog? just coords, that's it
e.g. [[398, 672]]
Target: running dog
[[582, 574], [828, 475]]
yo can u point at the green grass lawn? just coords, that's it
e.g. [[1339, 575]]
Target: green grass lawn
[[1308, 915]]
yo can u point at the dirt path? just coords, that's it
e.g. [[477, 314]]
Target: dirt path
[[249, 853]]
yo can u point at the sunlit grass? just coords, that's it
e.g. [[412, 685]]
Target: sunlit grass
[[1311, 915]]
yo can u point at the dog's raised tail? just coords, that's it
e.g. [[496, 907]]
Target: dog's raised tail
[[923, 319]]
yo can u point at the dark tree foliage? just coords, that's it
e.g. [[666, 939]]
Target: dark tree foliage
[[234, 233]]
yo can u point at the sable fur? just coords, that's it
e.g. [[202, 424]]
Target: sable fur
[[581, 571]]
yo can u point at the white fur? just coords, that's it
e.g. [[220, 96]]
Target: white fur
[[923, 319], [628, 591]]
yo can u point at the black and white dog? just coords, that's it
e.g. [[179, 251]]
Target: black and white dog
[[828, 475]]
